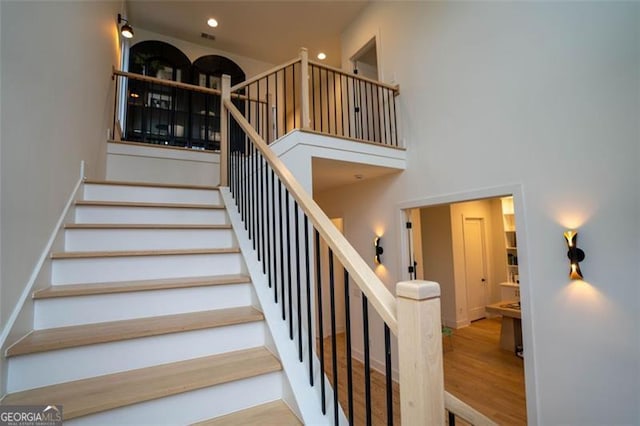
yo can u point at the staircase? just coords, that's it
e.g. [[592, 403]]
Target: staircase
[[150, 318]]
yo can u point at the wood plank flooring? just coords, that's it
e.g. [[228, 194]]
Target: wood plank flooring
[[476, 370]]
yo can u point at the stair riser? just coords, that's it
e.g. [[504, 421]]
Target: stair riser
[[66, 311], [150, 215], [95, 192], [193, 406], [147, 239], [47, 368], [107, 269]]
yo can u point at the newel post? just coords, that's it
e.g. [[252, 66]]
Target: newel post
[[304, 89], [420, 353], [224, 131]]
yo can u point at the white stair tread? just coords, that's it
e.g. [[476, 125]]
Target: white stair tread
[[125, 253], [86, 203], [88, 334], [275, 413], [94, 395], [133, 286], [148, 184]]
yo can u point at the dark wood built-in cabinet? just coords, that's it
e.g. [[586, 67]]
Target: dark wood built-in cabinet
[[165, 115]]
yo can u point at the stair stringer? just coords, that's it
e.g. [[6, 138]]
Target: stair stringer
[[303, 399]]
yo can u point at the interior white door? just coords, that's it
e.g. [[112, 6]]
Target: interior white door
[[475, 267]]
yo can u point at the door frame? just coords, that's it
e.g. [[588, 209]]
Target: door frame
[[516, 190]]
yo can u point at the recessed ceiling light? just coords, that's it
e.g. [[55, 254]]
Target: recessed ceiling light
[[322, 56], [212, 22]]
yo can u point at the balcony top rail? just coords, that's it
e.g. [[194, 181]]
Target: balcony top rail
[[168, 83], [394, 87]]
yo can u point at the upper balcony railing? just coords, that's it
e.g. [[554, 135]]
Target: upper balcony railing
[[305, 95], [332, 102]]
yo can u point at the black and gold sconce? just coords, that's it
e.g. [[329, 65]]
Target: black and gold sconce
[[126, 30], [379, 251], [574, 254]]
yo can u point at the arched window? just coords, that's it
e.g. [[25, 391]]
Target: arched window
[[159, 59], [207, 71]]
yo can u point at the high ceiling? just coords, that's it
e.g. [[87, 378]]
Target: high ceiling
[[271, 31]]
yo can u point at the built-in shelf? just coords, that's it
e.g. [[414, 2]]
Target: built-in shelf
[[510, 240]]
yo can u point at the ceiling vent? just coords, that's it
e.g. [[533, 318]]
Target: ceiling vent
[[208, 36]]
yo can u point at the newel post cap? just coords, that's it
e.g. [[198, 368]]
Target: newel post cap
[[418, 290]]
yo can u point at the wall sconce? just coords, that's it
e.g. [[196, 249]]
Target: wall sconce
[[126, 29], [379, 251], [574, 254]]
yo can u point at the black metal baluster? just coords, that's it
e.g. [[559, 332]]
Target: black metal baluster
[[335, 104], [284, 85], [245, 198], [254, 201], [253, 197], [380, 117], [320, 319], [263, 170], [367, 360], [277, 120], [313, 96], [275, 241], [287, 196], [395, 120], [387, 108], [267, 224], [334, 351], [281, 248], [367, 88], [308, 283], [326, 73], [298, 287], [348, 114], [243, 190], [341, 91], [295, 112], [347, 308], [320, 106], [452, 419], [389, 381]]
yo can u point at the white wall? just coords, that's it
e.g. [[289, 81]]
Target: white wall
[[56, 107], [437, 261], [194, 51], [543, 96]]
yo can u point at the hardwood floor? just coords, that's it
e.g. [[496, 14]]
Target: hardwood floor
[[476, 370], [484, 376]]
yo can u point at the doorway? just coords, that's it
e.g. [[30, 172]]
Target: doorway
[[365, 60], [470, 248], [462, 246]]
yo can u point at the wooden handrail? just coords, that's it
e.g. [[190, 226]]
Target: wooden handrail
[[395, 88], [180, 85], [169, 83], [464, 411], [375, 290], [260, 76]]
